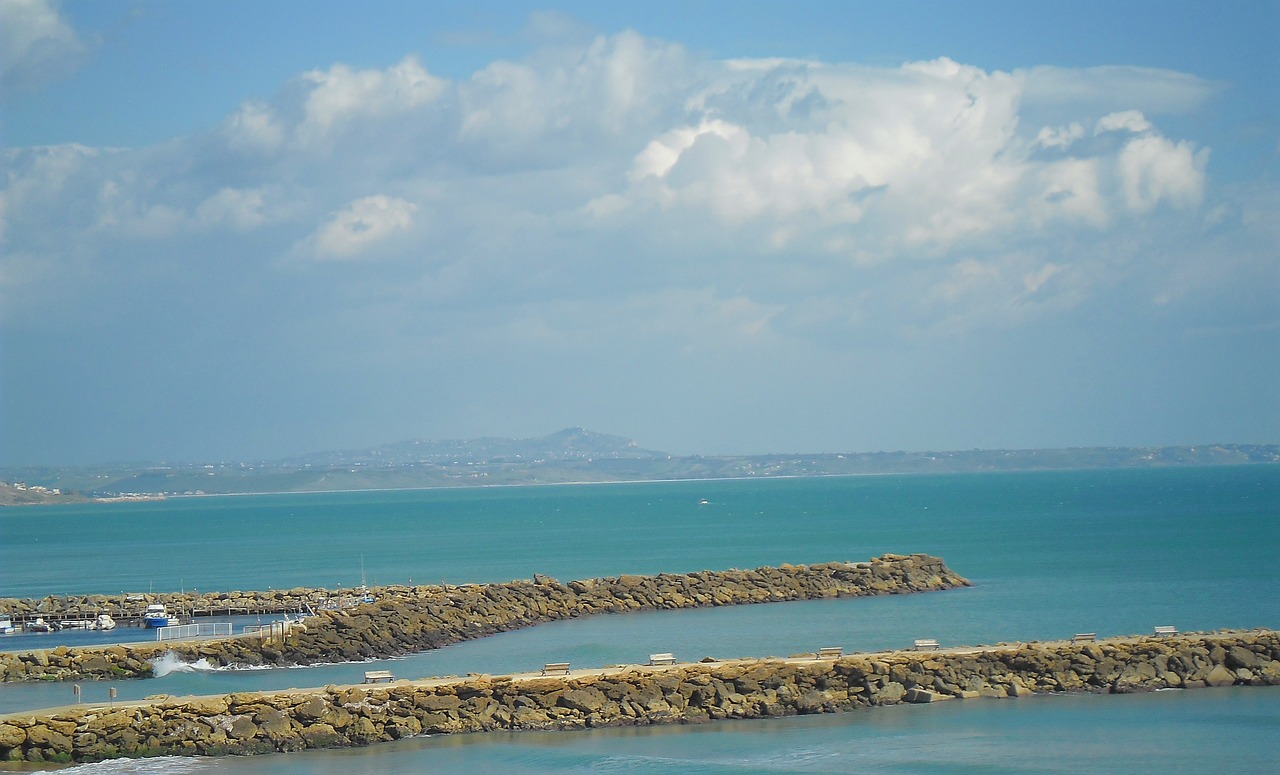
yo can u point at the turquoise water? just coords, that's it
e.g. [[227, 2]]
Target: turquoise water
[[1116, 552]]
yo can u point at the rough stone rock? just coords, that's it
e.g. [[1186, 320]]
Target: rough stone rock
[[891, 692], [1220, 676], [242, 728], [44, 737], [12, 736], [319, 735], [588, 700], [275, 724], [1239, 656]]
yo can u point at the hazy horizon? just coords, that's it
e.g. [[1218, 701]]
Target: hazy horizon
[[728, 454], [235, 231]]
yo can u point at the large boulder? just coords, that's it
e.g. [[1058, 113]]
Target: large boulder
[[1220, 676]]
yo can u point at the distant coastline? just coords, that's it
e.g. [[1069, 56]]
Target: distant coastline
[[572, 456]]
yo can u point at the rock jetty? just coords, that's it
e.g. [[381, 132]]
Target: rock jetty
[[250, 723], [409, 619]]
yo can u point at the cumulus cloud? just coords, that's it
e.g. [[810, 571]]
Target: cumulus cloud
[[342, 93], [253, 128], [36, 44], [1155, 169], [1123, 121], [358, 228], [319, 108], [935, 150], [566, 101], [624, 165]]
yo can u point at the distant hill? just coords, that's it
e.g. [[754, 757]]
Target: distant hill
[[570, 455], [568, 444], [19, 494]]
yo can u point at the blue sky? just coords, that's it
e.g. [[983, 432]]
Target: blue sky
[[241, 230]]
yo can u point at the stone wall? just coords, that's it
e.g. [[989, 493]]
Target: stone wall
[[131, 607], [410, 619], [361, 715]]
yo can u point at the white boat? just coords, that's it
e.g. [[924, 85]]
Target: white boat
[[40, 625], [6, 624], [105, 622], [157, 616]]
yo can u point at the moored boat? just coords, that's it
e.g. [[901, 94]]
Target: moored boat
[[105, 622], [6, 624], [157, 616], [40, 625]]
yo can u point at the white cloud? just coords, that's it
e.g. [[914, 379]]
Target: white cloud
[[253, 128], [36, 44], [921, 157], [1154, 169], [341, 93], [1060, 137], [567, 101], [120, 216], [1069, 190], [1123, 121], [363, 225], [624, 166], [242, 209], [319, 108], [927, 140]]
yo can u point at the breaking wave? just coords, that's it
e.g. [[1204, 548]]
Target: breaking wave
[[169, 662], [158, 765]]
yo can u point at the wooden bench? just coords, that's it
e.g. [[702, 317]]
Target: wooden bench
[[830, 652], [662, 659], [1166, 631], [374, 676], [555, 667], [1084, 637], [927, 643]]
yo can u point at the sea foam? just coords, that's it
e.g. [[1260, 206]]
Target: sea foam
[[157, 765], [170, 663]]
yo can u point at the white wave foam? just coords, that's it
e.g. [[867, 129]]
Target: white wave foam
[[157, 765], [169, 662]]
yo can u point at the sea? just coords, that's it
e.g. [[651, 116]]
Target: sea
[[1116, 552]]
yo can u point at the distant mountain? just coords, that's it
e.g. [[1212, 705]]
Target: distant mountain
[[568, 444], [571, 455]]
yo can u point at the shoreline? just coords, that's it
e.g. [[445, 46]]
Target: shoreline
[[144, 497]]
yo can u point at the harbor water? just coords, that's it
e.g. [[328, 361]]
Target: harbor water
[[1050, 553]]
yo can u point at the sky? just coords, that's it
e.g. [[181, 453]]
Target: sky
[[246, 230]]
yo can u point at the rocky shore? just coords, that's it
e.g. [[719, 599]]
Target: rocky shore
[[334, 716], [410, 619]]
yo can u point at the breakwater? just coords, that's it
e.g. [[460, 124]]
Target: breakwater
[[192, 604], [408, 619], [248, 723]]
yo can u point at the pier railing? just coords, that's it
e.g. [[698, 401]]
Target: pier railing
[[202, 630]]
